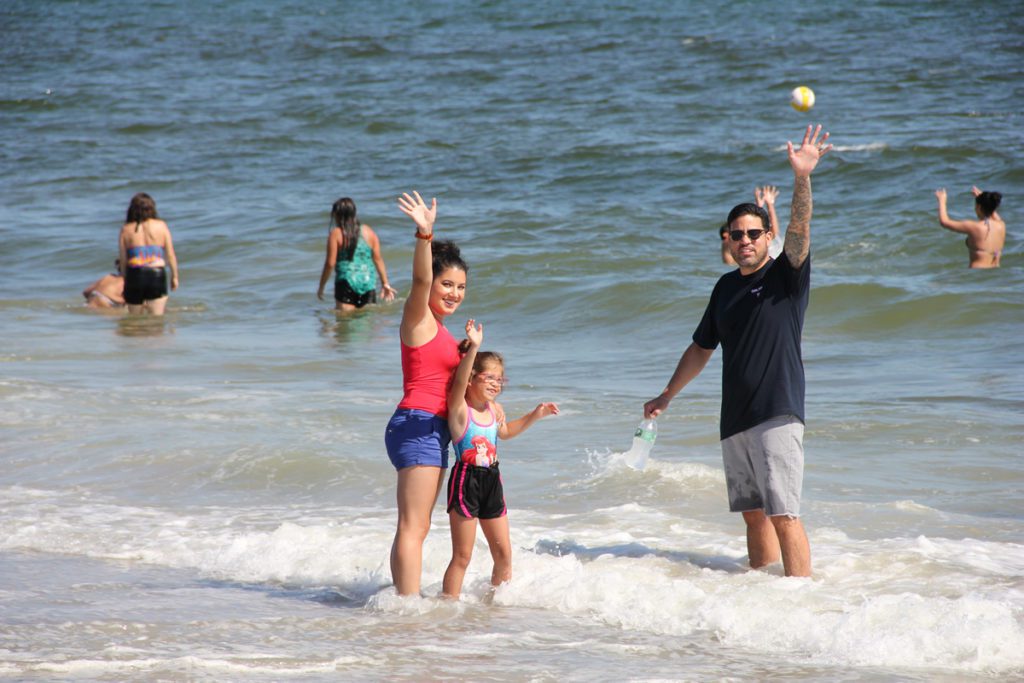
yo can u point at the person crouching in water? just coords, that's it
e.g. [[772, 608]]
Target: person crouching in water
[[474, 487], [108, 291]]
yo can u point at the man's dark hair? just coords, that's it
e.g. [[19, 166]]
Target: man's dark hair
[[748, 209]]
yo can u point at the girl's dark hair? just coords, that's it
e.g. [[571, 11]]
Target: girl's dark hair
[[142, 208], [485, 357], [446, 255], [988, 202], [748, 209], [343, 215]]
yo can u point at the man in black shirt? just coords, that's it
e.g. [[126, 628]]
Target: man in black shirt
[[757, 314]]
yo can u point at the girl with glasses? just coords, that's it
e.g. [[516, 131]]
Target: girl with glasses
[[475, 490]]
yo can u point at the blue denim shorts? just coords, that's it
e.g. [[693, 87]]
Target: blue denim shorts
[[416, 437]]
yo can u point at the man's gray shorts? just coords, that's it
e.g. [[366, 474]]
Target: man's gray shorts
[[764, 467]]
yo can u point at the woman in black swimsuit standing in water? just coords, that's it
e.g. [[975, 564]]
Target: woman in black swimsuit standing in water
[[146, 253]]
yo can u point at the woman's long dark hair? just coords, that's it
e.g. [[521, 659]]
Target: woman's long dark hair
[[141, 209], [343, 215], [988, 202]]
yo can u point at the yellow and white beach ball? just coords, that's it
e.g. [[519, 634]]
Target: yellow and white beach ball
[[802, 98]]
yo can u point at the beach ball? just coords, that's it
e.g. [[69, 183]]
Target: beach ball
[[802, 98]]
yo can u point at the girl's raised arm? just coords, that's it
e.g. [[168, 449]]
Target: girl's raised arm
[[458, 412]]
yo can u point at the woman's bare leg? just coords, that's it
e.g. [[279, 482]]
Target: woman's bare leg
[[418, 488]]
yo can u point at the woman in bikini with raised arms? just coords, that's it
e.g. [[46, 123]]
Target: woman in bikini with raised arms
[[985, 236]]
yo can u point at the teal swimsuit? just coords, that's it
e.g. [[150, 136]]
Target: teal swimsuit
[[359, 273], [355, 280]]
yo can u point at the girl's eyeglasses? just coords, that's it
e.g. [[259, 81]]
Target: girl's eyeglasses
[[493, 379]]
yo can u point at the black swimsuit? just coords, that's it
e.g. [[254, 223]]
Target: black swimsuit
[[143, 282]]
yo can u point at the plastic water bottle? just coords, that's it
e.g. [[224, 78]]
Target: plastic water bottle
[[643, 440]]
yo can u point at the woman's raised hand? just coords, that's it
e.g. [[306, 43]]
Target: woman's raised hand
[[415, 208]]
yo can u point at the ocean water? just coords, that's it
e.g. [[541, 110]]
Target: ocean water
[[207, 496]]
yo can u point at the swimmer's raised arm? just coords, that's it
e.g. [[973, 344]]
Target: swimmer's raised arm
[[966, 227], [765, 197]]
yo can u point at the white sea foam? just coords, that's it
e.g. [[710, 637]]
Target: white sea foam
[[900, 602], [763, 612], [250, 664], [615, 464], [237, 544]]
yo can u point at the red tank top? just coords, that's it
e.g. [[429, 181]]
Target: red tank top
[[427, 371]]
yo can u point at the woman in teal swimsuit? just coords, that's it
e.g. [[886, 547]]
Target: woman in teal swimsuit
[[353, 253]]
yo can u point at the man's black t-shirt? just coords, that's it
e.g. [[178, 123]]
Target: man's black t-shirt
[[758, 319]]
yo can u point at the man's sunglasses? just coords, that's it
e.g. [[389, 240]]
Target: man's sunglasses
[[737, 235]]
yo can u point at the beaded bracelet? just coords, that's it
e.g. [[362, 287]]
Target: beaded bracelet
[[428, 237]]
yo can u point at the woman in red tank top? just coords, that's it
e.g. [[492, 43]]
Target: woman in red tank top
[[417, 435]]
